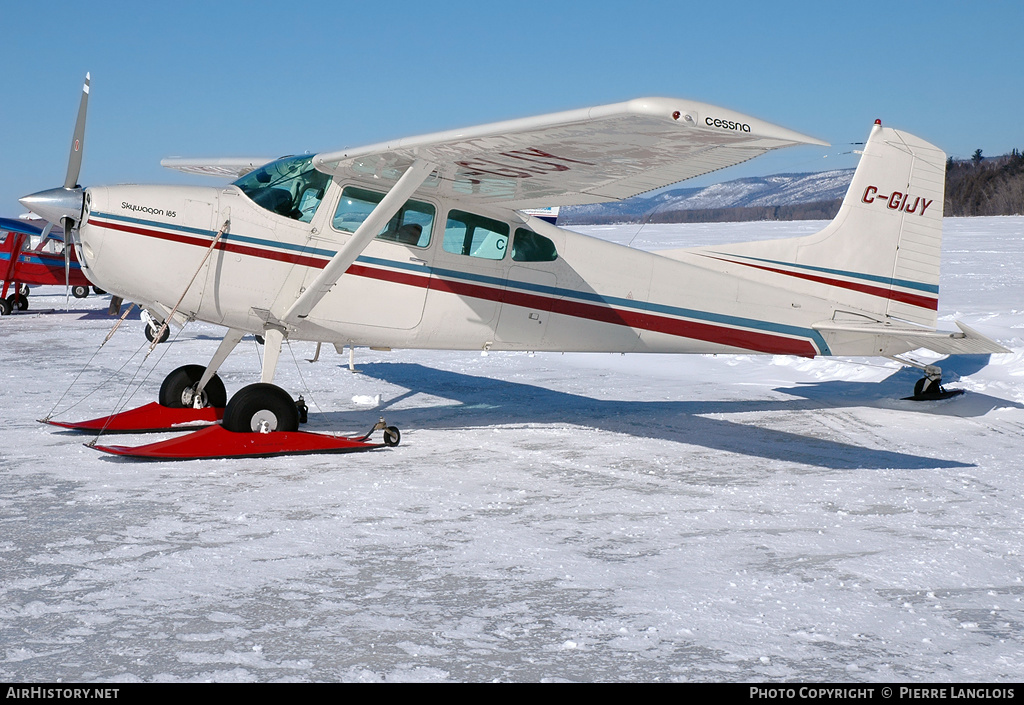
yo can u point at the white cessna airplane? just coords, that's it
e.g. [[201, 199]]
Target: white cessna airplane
[[423, 243]]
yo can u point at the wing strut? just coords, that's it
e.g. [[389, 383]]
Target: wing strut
[[411, 180]]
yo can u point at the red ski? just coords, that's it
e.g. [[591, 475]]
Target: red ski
[[218, 442], [146, 419]]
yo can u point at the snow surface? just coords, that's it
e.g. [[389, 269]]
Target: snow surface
[[547, 517]]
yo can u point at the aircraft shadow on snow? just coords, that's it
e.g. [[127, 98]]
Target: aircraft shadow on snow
[[481, 401]]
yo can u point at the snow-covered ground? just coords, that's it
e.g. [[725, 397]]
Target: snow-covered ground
[[547, 517]]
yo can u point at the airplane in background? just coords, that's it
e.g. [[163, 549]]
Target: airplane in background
[[33, 255], [425, 242]]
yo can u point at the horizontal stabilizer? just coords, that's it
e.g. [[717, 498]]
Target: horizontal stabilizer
[[965, 342]]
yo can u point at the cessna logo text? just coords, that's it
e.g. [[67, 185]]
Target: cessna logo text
[[727, 124], [897, 201], [125, 205]]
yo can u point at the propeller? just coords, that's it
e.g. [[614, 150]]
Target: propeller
[[65, 205]]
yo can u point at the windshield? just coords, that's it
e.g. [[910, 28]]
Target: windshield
[[290, 187]]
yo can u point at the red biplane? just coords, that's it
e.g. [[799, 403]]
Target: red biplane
[[33, 255]]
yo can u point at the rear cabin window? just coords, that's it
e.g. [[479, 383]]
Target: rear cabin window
[[475, 235], [528, 246], [410, 226]]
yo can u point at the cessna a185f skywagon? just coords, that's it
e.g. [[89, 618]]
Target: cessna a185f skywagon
[[423, 242]]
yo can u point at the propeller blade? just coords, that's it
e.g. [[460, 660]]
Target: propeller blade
[[78, 140], [115, 306]]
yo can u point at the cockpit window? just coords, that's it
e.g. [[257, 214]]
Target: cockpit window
[[291, 187]]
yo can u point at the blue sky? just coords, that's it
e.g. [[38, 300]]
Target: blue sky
[[253, 78]]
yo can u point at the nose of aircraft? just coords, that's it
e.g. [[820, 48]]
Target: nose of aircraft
[[56, 204]]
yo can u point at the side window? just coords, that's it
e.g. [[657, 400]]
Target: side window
[[528, 246], [410, 226], [475, 235]]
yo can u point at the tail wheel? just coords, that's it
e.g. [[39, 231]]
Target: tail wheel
[[79, 292], [179, 389], [392, 437], [261, 407]]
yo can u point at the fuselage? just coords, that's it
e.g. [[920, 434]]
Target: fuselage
[[442, 275]]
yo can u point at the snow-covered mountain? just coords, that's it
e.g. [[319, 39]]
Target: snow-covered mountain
[[776, 190]]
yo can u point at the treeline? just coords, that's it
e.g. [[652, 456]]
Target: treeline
[[985, 186]]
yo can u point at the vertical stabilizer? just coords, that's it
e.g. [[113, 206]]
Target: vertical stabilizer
[[881, 253], [890, 223]]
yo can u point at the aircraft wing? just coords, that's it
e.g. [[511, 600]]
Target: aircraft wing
[[233, 167], [582, 156]]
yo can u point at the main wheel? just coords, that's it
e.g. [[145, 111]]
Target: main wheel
[[79, 292], [98, 291], [5, 307], [18, 302], [261, 407], [179, 389], [151, 334]]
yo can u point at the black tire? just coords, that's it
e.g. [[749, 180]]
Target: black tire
[[79, 292], [177, 389], [392, 437], [5, 307], [17, 302], [261, 403], [98, 291], [925, 387], [150, 333]]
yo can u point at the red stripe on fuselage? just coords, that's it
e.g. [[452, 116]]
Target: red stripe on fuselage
[[733, 337], [892, 294]]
